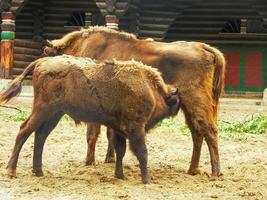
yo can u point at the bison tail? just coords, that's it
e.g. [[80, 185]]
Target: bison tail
[[14, 88], [219, 75]]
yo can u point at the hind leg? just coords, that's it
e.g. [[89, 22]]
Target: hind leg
[[110, 151], [27, 127], [201, 119], [120, 148], [39, 140], [197, 144], [93, 130]]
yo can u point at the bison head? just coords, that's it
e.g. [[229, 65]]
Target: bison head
[[49, 49], [173, 101]]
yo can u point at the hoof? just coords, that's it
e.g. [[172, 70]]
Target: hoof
[[120, 176], [89, 162], [216, 174], [11, 173], [109, 160], [146, 180], [38, 173], [196, 171]]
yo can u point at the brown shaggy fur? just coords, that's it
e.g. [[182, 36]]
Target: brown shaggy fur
[[197, 69], [127, 96]]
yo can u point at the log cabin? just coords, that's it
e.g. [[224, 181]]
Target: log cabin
[[238, 28]]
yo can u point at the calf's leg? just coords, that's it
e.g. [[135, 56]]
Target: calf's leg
[[119, 143], [39, 140], [110, 151], [93, 130], [31, 124], [138, 146]]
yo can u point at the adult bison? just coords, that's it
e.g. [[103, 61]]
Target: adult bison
[[197, 69], [126, 96]]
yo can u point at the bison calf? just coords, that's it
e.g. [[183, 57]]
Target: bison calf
[[127, 96]]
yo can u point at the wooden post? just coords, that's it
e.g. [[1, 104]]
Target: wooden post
[[88, 19], [7, 44], [112, 20]]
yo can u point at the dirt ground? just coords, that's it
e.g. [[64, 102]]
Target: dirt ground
[[243, 163]]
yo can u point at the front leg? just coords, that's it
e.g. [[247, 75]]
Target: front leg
[[110, 151], [93, 130]]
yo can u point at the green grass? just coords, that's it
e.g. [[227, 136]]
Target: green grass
[[19, 116], [237, 130], [254, 125], [14, 115]]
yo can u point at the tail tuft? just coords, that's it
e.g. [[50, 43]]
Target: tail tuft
[[13, 89]]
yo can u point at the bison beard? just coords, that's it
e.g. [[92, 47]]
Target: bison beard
[[127, 96]]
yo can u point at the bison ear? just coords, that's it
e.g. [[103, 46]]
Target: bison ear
[[47, 43]]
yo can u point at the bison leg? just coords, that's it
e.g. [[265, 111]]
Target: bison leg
[[197, 144], [138, 146], [27, 127], [93, 130], [211, 139], [120, 148], [110, 151], [201, 120], [39, 140]]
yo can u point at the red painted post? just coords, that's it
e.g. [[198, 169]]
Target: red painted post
[[7, 44], [112, 20]]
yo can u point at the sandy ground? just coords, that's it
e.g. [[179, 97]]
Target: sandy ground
[[244, 164]]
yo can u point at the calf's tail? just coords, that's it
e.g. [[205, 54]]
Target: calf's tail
[[14, 88]]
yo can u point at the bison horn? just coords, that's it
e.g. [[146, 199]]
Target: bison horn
[[47, 43], [175, 92]]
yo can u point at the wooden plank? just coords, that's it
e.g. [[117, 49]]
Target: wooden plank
[[6, 64], [21, 64], [18, 71], [23, 50], [24, 57], [27, 43]]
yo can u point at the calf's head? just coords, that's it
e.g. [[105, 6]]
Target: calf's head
[[166, 107], [173, 101]]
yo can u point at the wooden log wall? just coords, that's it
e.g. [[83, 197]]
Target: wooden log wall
[[156, 16], [39, 20], [25, 19], [25, 51], [120, 7], [58, 12], [204, 21], [129, 22]]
